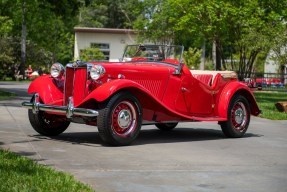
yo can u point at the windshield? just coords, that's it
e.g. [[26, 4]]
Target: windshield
[[163, 53]]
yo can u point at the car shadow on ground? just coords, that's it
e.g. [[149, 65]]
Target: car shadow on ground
[[32, 155], [150, 136]]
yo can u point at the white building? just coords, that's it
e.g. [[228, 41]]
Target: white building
[[271, 66], [111, 42]]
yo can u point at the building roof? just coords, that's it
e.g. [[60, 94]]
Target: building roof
[[104, 30]]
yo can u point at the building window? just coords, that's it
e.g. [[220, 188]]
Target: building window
[[104, 48]]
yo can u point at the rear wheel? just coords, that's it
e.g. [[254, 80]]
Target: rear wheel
[[47, 124], [166, 126], [238, 117], [119, 121]]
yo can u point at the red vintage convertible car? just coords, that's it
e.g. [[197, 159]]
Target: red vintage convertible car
[[150, 85]]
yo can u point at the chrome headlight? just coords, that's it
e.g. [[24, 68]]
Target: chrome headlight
[[97, 71], [57, 70]]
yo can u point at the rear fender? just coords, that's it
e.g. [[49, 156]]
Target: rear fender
[[229, 91], [48, 89]]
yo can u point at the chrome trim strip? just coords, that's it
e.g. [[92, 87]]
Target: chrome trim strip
[[77, 64], [68, 110]]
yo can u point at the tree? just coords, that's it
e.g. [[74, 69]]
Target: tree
[[6, 52], [255, 29], [6, 58], [156, 22], [91, 54], [49, 29], [93, 15], [109, 13], [6, 25], [245, 27]]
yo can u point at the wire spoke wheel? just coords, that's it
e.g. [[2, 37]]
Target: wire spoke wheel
[[238, 117], [124, 118], [120, 118]]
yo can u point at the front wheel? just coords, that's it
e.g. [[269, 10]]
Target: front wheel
[[238, 117], [47, 124], [120, 118]]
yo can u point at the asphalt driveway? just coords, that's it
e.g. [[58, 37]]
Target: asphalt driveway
[[193, 157]]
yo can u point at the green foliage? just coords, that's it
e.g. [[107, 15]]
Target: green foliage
[[93, 15], [49, 24], [7, 58], [21, 174], [192, 57], [91, 54], [244, 28], [6, 25], [109, 13], [6, 51], [156, 22]]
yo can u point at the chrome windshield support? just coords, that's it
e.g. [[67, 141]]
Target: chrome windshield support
[[68, 110]]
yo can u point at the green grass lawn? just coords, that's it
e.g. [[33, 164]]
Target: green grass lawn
[[6, 95], [22, 174], [266, 102]]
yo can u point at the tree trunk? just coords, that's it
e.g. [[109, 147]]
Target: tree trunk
[[202, 60], [218, 56], [246, 65], [214, 55], [23, 40], [281, 106]]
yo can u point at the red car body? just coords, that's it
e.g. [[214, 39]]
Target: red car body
[[140, 91]]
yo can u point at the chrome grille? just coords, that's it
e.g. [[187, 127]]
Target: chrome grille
[[75, 84]]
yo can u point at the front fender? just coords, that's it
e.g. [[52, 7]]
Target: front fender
[[48, 89], [106, 90], [229, 91], [149, 102]]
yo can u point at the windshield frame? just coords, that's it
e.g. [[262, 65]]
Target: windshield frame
[[170, 54]]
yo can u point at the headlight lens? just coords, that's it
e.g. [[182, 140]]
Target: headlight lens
[[57, 70], [97, 71]]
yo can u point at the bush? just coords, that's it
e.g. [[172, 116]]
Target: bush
[[192, 57], [91, 54]]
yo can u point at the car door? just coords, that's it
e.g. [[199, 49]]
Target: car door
[[194, 97]]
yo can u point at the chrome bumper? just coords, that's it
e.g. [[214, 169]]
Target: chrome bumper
[[68, 110]]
